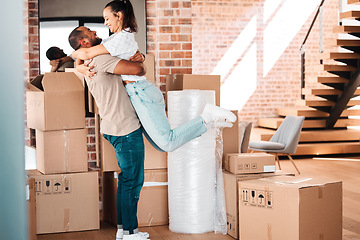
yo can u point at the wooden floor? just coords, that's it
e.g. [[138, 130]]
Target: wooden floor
[[342, 168]]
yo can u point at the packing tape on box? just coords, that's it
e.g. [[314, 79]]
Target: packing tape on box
[[195, 185], [66, 150]]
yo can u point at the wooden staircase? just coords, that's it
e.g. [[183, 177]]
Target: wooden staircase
[[328, 110]]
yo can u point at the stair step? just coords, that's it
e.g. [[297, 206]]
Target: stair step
[[327, 103], [312, 112], [350, 14], [274, 123], [312, 136], [317, 92], [338, 68], [347, 42], [346, 29], [328, 148], [353, 1], [332, 80], [341, 55]]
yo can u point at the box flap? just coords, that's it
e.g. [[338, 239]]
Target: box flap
[[61, 82], [36, 84], [299, 182]]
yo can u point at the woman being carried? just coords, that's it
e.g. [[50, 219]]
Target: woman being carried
[[145, 97]]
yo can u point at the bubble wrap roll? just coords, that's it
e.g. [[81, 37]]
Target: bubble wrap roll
[[192, 167]]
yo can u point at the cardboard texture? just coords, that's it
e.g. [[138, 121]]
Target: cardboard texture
[[230, 138], [149, 65], [190, 81], [240, 163], [61, 151], [232, 196], [154, 159], [55, 101], [31, 208], [66, 202], [153, 202], [296, 208]]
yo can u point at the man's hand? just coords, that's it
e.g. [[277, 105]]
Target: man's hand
[[86, 69], [55, 64], [137, 57]]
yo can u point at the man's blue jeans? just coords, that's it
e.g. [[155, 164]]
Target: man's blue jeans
[[129, 150], [149, 105]]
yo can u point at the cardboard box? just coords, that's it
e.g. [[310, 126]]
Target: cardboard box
[[67, 202], [241, 163], [61, 151], [31, 208], [149, 65], [154, 159], [296, 208], [232, 195], [153, 202], [55, 101], [231, 139], [190, 81]]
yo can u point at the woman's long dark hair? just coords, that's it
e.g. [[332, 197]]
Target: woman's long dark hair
[[126, 8]]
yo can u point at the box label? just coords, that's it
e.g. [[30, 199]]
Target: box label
[[257, 198], [53, 186]]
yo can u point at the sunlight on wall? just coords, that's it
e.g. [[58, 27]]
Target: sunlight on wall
[[234, 83], [241, 83], [270, 7], [283, 28], [236, 50]]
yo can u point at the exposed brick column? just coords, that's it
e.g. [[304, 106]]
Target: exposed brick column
[[169, 34], [31, 51]]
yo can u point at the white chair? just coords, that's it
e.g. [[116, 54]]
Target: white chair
[[284, 141]]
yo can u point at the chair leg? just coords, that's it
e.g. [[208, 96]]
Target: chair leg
[[292, 161], [277, 159]]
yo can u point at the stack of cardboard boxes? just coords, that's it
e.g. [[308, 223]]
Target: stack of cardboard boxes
[[66, 192]]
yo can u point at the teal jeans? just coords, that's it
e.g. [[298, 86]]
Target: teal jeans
[[149, 105], [129, 151]]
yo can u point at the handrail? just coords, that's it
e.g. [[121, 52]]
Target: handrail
[[313, 22]]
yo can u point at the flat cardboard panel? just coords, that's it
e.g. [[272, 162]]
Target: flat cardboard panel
[[231, 138], [31, 208], [240, 163], [149, 64], [61, 151], [191, 81], [153, 202], [67, 202], [154, 159], [55, 102], [297, 208], [232, 196]]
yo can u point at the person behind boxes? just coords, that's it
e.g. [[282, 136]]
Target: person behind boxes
[[145, 97], [120, 126], [59, 60]]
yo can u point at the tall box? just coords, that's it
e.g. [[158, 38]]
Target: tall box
[[240, 163], [191, 81], [67, 202], [55, 101], [31, 208], [296, 208], [61, 151], [154, 159], [232, 195], [153, 202], [230, 138]]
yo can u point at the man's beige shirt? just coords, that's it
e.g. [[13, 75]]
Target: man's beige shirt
[[118, 117]]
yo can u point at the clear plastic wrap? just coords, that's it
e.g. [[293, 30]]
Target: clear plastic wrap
[[195, 186]]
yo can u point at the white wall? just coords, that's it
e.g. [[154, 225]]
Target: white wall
[[92, 8]]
